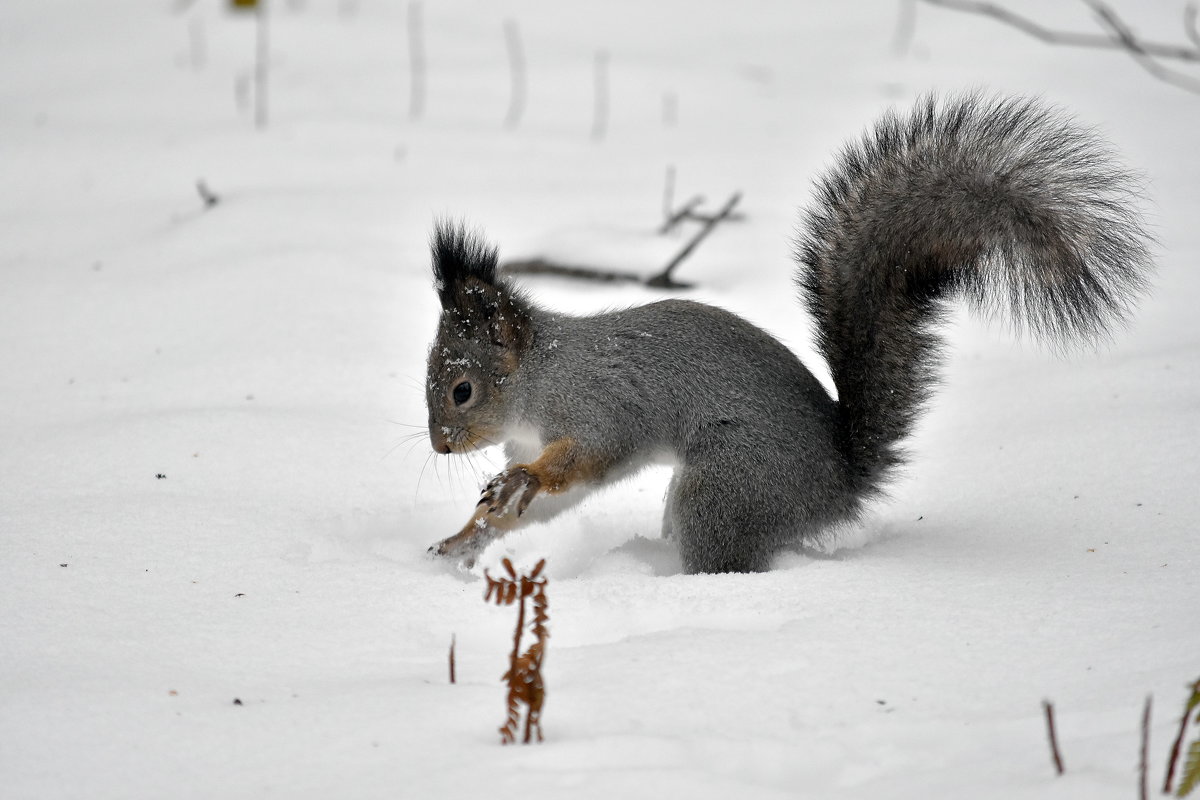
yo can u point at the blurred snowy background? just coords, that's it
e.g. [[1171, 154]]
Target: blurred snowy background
[[208, 488]]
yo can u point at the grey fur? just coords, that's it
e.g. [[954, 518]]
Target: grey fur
[[1004, 201], [1001, 200]]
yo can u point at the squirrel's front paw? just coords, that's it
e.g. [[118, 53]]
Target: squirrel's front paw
[[466, 545], [503, 502], [507, 496]]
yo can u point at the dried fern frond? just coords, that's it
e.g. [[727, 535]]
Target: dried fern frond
[[524, 675], [1191, 770]]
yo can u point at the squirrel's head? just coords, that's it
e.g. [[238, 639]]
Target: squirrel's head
[[482, 334]]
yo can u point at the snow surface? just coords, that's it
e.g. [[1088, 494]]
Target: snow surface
[[266, 357]]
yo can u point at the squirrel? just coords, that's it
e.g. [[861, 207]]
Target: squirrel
[[1005, 201]]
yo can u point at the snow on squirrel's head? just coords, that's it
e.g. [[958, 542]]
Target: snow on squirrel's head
[[482, 333]]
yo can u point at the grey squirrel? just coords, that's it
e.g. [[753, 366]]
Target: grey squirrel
[[1004, 201]]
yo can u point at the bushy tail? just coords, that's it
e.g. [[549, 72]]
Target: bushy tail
[[1004, 201]]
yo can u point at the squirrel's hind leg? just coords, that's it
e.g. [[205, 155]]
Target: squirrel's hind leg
[[733, 513], [721, 519]]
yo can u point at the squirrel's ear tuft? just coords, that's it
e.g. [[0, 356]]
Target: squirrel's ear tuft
[[458, 255]]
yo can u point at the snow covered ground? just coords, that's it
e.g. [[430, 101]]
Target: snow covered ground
[[265, 357]]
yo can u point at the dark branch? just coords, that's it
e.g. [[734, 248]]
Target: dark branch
[[734, 216], [1070, 38], [1049, 708], [1143, 777], [210, 199], [1141, 52], [663, 279], [685, 212], [540, 266]]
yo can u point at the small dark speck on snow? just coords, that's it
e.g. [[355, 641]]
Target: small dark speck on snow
[[237, 701], [160, 476]]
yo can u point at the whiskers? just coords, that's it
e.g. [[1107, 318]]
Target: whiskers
[[467, 465], [421, 474], [416, 385], [417, 435]]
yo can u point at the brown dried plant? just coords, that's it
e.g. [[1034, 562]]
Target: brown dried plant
[[524, 676], [1191, 769]]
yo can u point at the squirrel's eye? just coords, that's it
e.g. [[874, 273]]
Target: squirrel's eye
[[462, 393]]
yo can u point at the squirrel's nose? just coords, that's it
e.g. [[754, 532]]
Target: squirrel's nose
[[439, 441]]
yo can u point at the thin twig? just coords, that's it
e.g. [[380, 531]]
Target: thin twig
[[1140, 52], [663, 279], [671, 216], [416, 61], [686, 211], [207, 195], [516, 69], [1070, 38], [540, 266], [452, 676], [906, 25], [1143, 780], [262, 61], [1058, 764], [696, 216]]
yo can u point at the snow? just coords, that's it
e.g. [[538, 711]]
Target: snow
[[267, 355]]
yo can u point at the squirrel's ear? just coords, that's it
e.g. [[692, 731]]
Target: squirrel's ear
[[495, 312], [510, 326], [464, 271], [458, 257]]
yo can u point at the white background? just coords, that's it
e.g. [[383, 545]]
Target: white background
[[266, 356]]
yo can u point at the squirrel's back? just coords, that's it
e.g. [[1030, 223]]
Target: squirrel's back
[[1004, 201], [665, 373]]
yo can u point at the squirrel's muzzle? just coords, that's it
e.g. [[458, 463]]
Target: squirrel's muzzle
[[438, 439]]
